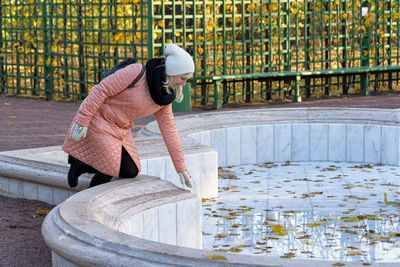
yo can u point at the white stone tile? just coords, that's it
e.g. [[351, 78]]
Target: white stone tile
[[15, 188], [59, 195], [248, 145], [265, 143], [137, 225], [156, 167], [390, 145], [204, 170], [167, 223], [60, 261], [170, 172], [300, 142], [3, 186], [318, 142], [337, 142], [150, 224], [205, 138], [233, 148], [282, 142], [30, 190], [45, 193], [143, 165], [218, 143], [71, 192], [355, 143], [189, 223], [127, 227], [196, 136], [372, 143]]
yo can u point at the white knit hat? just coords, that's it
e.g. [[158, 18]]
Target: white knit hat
[[177, 61]]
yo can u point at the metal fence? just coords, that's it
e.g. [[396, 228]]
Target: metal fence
[[60, 48]]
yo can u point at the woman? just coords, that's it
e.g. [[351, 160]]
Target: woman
[[100, 139]]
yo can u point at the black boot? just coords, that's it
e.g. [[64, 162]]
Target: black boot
[[76, 169], [100, 178]]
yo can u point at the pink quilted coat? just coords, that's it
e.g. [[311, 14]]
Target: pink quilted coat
[[108, 112]]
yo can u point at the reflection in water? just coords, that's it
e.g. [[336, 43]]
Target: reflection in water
[[331, 211]]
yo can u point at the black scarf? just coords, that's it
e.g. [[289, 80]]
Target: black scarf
[[155, 75]]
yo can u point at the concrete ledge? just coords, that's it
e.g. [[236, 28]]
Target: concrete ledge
[[85, 229], [41, 173]]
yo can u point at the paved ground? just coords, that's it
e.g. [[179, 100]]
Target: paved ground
[[31, 123]]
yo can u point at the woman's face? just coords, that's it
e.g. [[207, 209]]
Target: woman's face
[[178, 80]]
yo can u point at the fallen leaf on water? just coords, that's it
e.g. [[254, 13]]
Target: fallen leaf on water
[[316, 224], [278, 229], [353, 253], [288, 255], [338, 264], [12, 117], [235, 250], [7, 104], [216, 257]]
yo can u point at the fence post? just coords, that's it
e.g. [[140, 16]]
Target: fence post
[[297, 96], [151, 30], [47, 50], [365, 9], [2, 83], [217, 100]]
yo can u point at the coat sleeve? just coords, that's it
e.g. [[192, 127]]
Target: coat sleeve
[[108, 87], [169, 132]]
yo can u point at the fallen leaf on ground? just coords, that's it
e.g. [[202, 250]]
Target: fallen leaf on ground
[[41, 211]]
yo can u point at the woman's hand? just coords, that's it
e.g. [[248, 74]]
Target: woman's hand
[[186, 179], [78, 132]]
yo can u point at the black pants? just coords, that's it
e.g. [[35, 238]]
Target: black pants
[[128, 169]]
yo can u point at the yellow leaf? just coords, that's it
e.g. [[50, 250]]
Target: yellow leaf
[[273, 7], [41, 211], [353, 253], [216, 257], [200, 50], [278, 229], [288, 255], [161, 23], [316, 224], [235, 249], [344, 16], [12, 117], [250, 7]]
